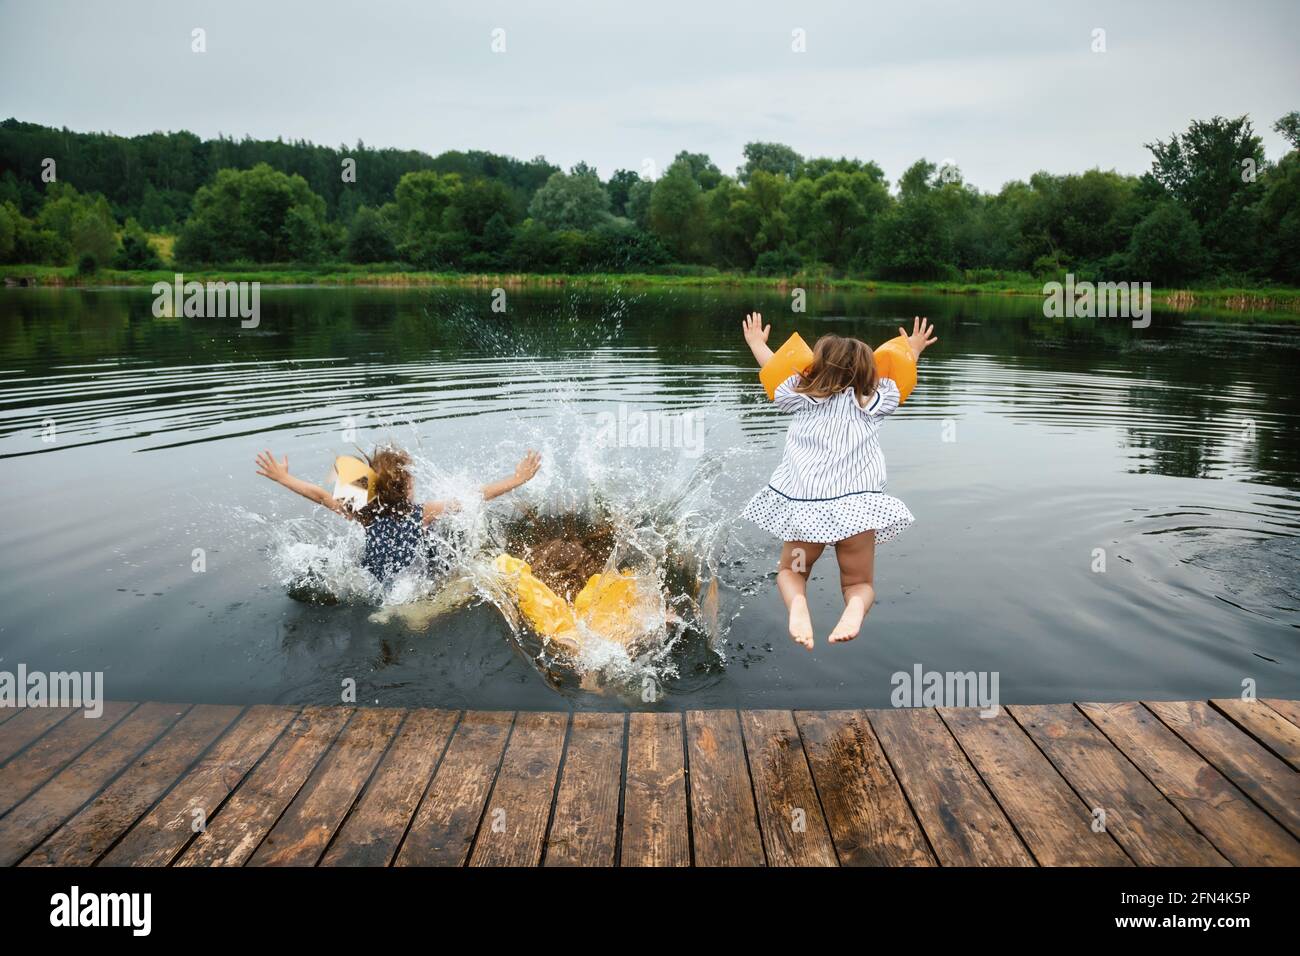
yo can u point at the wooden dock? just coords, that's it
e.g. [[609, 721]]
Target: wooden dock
[[1202, 783]]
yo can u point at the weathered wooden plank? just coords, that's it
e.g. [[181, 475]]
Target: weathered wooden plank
[[1050, 818], [161, 834], [372, 832], [53, 751], [63, 795], [1216, 767], [1256, 772], [513, 829], [724, 818], [656, 829], [444, 826], [232, 836], [85, 837], [28, 724], [1225, 816], [1290, 709], [1266, 725], [868, 816], [965, 825], [584, 826], [1136, 814], [789, 812], [302, 833]]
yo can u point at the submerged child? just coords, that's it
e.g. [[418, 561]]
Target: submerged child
[[830, 485], [394, 523]]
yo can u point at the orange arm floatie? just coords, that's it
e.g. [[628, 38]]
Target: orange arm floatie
[[893, 360]]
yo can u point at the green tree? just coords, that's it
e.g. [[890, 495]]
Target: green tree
[[622, 247], [82, 220], [10, 218], [703, 170], [1166, 246], [304, 235], [495, 240], [773, 158], [1289, 127], [832, 216], [619, 186], [675, 212], [253, 215], [22, 241], [913, 239], [638, 202], [477, 203], [534, 247], [370, 238], [729, 221], [574, 201], [816, 168], [419, 213], [137, 252], [1279, 212], [1212, 171]]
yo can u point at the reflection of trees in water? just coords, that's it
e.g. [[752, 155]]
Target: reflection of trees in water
[[1223, 392], [1219, 373], [50, 326]]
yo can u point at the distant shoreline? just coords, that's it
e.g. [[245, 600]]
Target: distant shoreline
[[1235, 300]]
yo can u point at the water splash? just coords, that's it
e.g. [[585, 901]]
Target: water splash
[[628, 500]]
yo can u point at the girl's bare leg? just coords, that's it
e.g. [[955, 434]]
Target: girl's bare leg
[[857, 558], [797, 558]]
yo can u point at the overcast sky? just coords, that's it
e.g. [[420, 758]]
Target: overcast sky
[[1003, 89]]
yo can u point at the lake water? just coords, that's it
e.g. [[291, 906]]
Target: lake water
[[1032, 451]]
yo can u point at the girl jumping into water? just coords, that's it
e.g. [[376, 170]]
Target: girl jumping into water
[[830, 485], [392, 520]]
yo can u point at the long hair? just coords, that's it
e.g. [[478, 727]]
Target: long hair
[[393, 483], [839, 362]]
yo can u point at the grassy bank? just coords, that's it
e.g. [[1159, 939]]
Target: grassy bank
[[1252, 300]]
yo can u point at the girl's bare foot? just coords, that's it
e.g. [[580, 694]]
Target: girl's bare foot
[[850, 622], [800, 622]]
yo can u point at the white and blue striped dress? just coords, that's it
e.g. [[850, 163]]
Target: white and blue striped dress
[[830, 484]]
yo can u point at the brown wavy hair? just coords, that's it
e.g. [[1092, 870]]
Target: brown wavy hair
[[838, 362], [393, 484]]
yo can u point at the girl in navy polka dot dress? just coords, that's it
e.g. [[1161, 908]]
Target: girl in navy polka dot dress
[[830, 485]]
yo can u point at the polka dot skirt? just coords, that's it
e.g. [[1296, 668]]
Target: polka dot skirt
[[829, 520]]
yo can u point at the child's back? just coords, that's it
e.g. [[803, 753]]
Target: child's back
[[833, 446], [830, 485], [394, 539]]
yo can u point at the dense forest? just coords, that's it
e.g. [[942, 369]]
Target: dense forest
[[1212, 209]]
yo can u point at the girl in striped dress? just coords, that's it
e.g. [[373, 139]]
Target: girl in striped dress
[[830, 485]]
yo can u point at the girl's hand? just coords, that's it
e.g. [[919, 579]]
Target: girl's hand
[[754, 330], [756, 334], [527, 467], [524, 472], [268, 467], [922, 335]]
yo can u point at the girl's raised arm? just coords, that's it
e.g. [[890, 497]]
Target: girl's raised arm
[[524, 472], [756, 338], [278, 471]]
